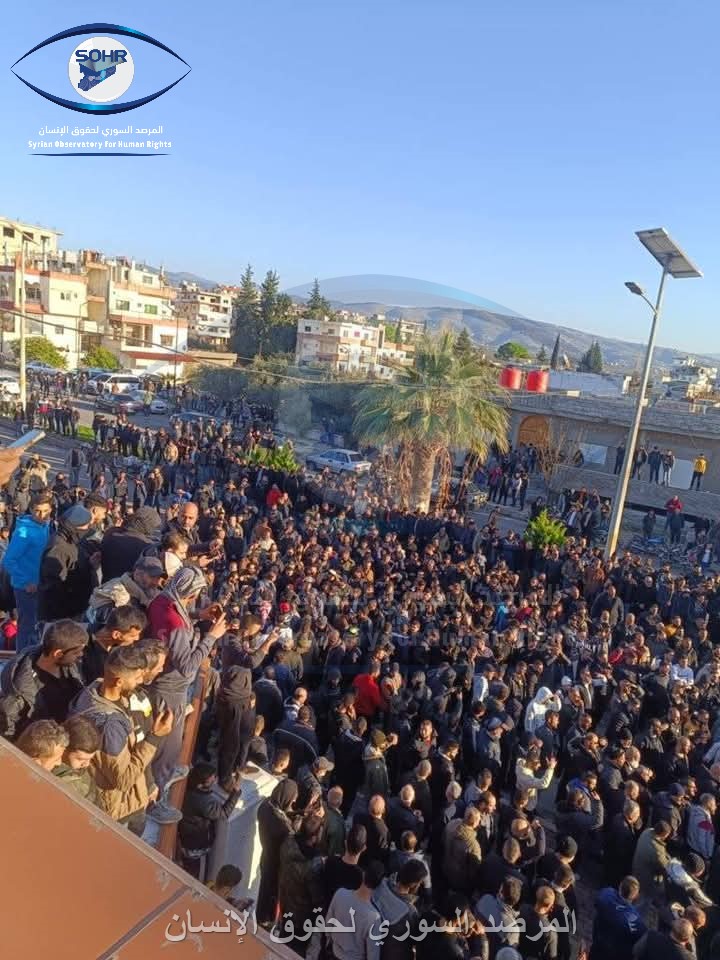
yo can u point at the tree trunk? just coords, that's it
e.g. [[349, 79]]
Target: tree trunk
[[423, 469]]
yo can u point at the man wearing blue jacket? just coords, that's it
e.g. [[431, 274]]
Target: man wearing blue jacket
[[22, 562]]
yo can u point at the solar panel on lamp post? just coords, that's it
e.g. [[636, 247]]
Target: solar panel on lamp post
[[676, 264]]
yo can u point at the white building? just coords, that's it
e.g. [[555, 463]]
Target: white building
[[594, 384], [142, 328], [55, 301], [349, 346], [208, 313]]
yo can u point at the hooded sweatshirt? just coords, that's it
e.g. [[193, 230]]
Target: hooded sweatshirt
[[543, 701], [24, 553]]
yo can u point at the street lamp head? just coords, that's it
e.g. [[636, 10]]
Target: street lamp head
[[635, 288], [667, 253]]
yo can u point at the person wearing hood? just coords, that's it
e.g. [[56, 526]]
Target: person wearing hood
[[300, 888], [275, 825], [235, 711], [66, 570], [543, 701], [22, 562], [170, 621], [121, 547]]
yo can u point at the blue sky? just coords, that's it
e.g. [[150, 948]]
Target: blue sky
[[509, 149]]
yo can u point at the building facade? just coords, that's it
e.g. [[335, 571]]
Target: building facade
[[208, 313], [349, 346]]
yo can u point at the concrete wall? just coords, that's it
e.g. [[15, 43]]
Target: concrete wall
[[591, 423]]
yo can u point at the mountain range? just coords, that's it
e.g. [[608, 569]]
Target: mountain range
[[490, 324]]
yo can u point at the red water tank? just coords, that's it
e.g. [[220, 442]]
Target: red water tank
[[537, 381], [510, 378]]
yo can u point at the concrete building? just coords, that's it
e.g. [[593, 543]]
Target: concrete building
[[55, 301], [595, 384], [40, 241], [595, 427], [133, 306], [349, 346], [208, 313]]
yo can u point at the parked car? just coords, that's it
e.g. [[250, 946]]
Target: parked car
[[339, 461], [10, 385], [35, 366], [120, 402], [104, 382], [158, 405]]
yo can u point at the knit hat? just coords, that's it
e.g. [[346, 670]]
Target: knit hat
[[77, 516]]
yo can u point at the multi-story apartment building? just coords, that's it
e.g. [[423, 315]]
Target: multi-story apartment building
[[133, 310], [55, 300], [348, 346], [208, 313], [39, 241]]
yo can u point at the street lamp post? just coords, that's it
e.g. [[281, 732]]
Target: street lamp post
[[674, 263], [22, 357]]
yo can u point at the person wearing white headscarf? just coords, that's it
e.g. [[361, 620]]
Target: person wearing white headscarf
[[170, 621], [543, 701]]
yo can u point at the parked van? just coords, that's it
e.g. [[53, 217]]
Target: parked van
[[113, 383]]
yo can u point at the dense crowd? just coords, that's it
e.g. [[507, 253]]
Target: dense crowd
[[460, 726]]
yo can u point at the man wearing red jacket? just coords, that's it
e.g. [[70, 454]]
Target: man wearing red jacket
[[369, 695]]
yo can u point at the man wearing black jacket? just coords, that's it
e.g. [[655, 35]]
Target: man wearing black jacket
[[66, 569], [202, 810], [41, 682]]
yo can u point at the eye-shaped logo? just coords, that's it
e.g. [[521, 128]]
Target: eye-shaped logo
[[101, 67]]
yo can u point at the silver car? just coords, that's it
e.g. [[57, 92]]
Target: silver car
[[339, 461]]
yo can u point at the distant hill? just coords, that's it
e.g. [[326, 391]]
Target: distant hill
[[489, 323]]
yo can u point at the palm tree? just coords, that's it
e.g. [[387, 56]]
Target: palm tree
[[444, 402]]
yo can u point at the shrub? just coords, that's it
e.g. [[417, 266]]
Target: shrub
[[543, 531]]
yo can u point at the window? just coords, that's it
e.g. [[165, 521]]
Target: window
[[59, 331], [8, 232], [166, 340], [122, 304], [308, 329], [356, 333], [64, 295], [32, 291], [45, 239], [151, 308], [147, 279]]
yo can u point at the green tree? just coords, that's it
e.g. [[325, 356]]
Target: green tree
[[317, 306], [512, 351], [246, 311], [269, 310], [101, 357], [41, 350], [542, 356], [543, 531], [463, 345], [442, 402], [555, 358], [591, 361]]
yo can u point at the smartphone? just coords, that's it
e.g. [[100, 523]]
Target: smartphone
[[27, 439]]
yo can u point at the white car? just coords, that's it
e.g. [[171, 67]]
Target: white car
[[339, 461], [158, 405], [10, 385]]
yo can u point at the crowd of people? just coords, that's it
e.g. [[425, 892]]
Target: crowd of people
[[459, 725]]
